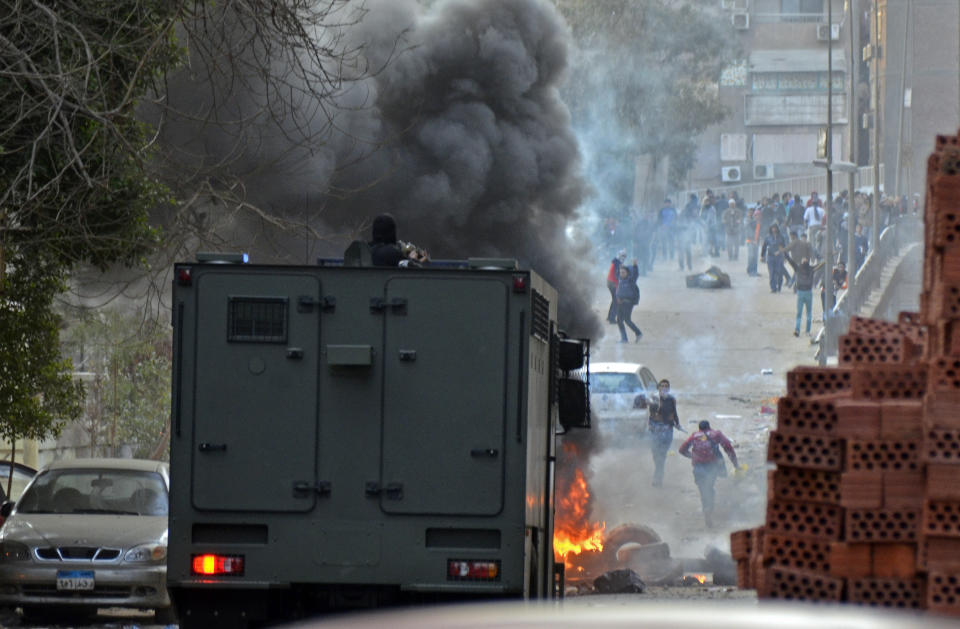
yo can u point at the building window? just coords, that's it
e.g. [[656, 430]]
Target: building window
[[801, 10]]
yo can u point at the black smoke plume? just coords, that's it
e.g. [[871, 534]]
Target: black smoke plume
[[457, 130]]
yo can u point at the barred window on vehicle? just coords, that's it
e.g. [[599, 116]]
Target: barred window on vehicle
[[540, 326], [257, 319]]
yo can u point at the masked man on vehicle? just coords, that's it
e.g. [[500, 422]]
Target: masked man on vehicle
[[663, 419], [703, 448]]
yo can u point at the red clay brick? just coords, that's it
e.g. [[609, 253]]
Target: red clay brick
[[858, 419], [881, 525], [941, 445], [890, 382], [903, 489], [796, 552], [939, 554], [861, 490], [794, 483], [943, 593], [851, 560], [942, 482], [740, 544], [806, 451], [810, 415], [798, 585], [854, 349], [901, 419], [894, 593], [941, 518], [803, 519], [744, 580], [882, 455], [805, 382], [897, 561], [941, 409]]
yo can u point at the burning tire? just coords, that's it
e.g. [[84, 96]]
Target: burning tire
[[632, 553], [625, 534]]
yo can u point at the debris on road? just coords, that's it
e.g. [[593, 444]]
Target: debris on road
[[711, 278], [623, 581]]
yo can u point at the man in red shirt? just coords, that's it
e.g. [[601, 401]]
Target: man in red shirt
[[613, 280], [703, 448]]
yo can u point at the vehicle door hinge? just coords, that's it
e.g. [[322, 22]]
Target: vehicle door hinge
[[372, 488], [328, 303], [394, 491], [301, 487]]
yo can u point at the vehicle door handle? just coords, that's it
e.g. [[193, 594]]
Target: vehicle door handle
[[322, 488], [488, 452], [212, 447]]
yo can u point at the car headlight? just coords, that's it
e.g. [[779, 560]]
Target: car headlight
[[147, 553], [14, 551]]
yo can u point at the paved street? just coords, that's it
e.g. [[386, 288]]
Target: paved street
[[713, 345]]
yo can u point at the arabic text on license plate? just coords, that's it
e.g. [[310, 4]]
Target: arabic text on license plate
[[75, 580]]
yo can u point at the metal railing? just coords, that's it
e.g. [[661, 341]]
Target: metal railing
[[772, 18], [753, 192], [906, 230]]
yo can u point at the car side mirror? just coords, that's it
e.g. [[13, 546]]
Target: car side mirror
[[6, 509]]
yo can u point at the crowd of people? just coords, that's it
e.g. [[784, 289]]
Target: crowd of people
[[784, 232]]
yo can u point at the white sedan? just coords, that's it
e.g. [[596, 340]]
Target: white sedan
[[620, 396]]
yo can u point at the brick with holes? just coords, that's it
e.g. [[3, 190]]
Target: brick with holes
[[940, 409], [903, 489], [810, 415], [807, 381], [894, 593], [943, 593], [797, 552], [940, 445], [879, 455], [941, 518], [881, 525], [806, 451], [890, 382], [796, 483], [799, 585], [804, 519]]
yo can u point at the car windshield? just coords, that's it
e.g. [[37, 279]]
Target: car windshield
[[615, 383], [109, 491]]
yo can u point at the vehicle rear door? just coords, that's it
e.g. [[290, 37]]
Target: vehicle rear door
[[444, 400], [255, 426]]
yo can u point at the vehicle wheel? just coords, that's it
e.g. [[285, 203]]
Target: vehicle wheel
[[165, 616], [625, 533]]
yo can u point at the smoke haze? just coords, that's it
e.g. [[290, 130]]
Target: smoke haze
[[456, 128]]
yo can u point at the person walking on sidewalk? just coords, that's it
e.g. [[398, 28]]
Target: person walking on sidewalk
[[703, 448], [628, 296], [662, 420]]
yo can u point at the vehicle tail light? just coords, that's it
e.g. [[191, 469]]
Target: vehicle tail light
[[473, 570], [519, 284], [640, 402], [184, 276], [213, 565]]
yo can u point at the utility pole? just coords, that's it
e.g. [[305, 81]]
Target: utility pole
[[875, 209], [903, 97], [828, 204], [851, 124]]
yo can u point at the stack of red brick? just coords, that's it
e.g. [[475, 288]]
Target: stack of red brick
[[864, 504]]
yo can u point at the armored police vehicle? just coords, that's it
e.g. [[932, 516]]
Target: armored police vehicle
[[346, 435]]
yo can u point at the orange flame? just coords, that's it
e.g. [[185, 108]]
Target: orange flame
[[702, 578], [573, 532]]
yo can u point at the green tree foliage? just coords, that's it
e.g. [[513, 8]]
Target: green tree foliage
[[73, 184], [644, 78], [128, 391], [37, 393]]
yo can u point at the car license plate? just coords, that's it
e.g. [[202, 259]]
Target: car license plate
[[75, 580]]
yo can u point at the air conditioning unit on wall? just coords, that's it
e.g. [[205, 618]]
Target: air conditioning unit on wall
[[730, 173], [763, 171], [828, 31], [740, 21]]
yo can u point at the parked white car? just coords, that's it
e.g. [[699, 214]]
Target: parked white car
[[85, 534], [620, 396]]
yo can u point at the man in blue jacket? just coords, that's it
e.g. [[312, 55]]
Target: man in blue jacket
[[628, 296]]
